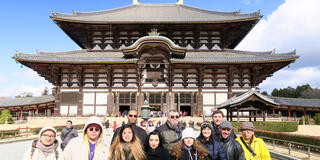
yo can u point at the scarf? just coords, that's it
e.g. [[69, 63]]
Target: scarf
[[45, 149], [190, 154], [127, 150]]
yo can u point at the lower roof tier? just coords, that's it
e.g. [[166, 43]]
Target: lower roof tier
[[225, 56]]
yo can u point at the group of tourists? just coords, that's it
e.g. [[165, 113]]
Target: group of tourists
[[216, 141]]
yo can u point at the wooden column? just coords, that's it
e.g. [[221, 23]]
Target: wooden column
[[231, 115], [171, 101], [250, 114], [230, 81], [238, 118], [200, 104], [56, 111], [255, 116], [110, 101], [80, 102], [304, 111], [273, 112], [227, 114], [264, 115], [37, 110], [289, 113]]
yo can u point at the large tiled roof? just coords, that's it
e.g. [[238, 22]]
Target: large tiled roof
[[161, 13], [25, 101], [209, 56], [298, 102], [237, 99]]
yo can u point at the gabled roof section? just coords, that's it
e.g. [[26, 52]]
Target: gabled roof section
[[243, 97], [155, 13], [297, 102], [26, 101], [194, 57]]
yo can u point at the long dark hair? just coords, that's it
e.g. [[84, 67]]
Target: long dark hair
[[202, 139], [147, 145]]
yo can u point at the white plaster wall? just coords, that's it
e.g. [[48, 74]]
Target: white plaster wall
[[73, 110], [88, 98], [87, 110], [207, 110], [64, 110], [208, 98], [101, 98], [221, 97], [101, 110]]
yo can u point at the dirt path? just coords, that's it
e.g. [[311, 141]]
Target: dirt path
[[311, 130]]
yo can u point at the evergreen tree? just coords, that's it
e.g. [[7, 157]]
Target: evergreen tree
[[6, 117]]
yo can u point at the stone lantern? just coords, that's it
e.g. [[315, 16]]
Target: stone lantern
[[145, 111]]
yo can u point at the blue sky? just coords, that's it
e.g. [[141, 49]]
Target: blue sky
[[286, 25]]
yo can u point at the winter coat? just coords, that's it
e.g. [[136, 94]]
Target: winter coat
[[215, 149], [141, 133], [33, 153], [158, 154], [169, 134], [259, 148], [186, 156], [216, 132], [78, 148], [66, 135], [233, 149]]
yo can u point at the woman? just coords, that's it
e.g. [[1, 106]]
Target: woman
[[215, 148], [154, 147], [126, 145], [46, 147], [189, 148]]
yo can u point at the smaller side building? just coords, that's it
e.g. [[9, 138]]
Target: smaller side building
[[21, 108], [253, 105]]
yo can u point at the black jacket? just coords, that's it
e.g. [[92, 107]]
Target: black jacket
[[216, 132], [170, 134], [141, 133], [233, 148], [158, 154]]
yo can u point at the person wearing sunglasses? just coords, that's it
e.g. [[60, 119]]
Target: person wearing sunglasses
[[46, 147], [171, 130], [126, 145], [132, 117], [91, 146]]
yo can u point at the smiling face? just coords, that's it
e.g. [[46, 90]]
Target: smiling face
[[206, 132], [132, 117], [173, 118], [47, 137], [225, 132], [247, 134], [127, 135], [154, 141], [217, 118], [93, 133], [188, 141]]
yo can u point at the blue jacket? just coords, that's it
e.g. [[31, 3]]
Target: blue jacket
[[216, 150]]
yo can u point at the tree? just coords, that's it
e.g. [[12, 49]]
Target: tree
[[265, 93], [45, 91], [24, 94], [6, 117], [317, 119], [311, 93]]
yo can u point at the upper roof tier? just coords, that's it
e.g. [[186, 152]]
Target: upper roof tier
[[155, 13]]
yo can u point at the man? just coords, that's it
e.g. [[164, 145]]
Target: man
[[132, 117], [217, 117], [91, 146], [254, 148], [171, 131], [231, 146], [67, 134], [107, 124]]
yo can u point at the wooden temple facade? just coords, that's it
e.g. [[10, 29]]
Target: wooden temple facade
[[173, 55]]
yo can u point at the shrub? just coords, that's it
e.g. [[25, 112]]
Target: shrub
[[317, 119], [6, 115], [271, 126], [307, 118]]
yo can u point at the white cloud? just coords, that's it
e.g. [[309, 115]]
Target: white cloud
[[292, 78], [29, 75], [295, 24], [14, 90], [3, 78]]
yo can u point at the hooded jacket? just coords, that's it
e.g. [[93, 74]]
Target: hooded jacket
[[78, 148], [259, 148], [34, 153]]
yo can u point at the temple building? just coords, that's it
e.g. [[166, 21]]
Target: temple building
[[172, 55]]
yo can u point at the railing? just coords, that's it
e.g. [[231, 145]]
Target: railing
[[291, 144]]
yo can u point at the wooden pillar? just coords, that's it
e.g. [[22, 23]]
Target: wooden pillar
[[289, 113], [21, 113], [304, 111], [200, 104], [37, 110], [273, 112], [80, 102], [238, 118], [178, 102], [116, 109], [255, 116], [56, 111], [110, 101], [227, 114], [250, 114], [171, 101], [264, 115], [231, 115]]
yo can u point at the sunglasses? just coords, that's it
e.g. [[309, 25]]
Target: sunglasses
[[94, 128], [174, 117], [135, 116]]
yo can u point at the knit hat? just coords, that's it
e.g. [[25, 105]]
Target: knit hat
[[247, 126], [188, 132], [225, 124], [45, 129], [206, 124]]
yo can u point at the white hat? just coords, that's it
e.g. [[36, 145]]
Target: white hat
[[47, 128], [188, 132]]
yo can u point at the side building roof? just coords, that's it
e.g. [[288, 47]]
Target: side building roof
[[25, 101], [226, 56], [297, 102], [161, 13]]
